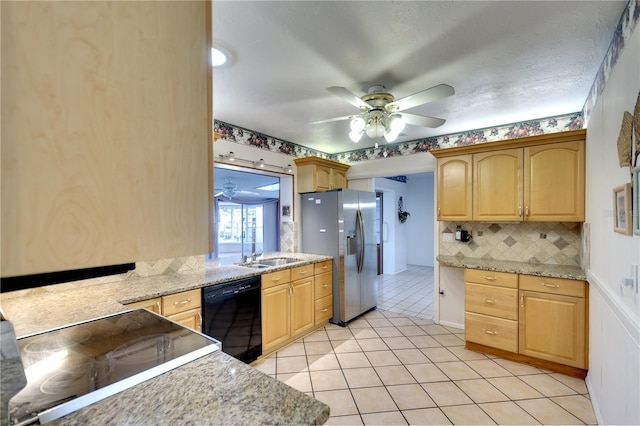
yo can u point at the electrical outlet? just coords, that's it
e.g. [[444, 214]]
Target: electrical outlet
[[447, 237]]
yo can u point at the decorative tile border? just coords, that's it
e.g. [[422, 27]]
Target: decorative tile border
[[621, 36]]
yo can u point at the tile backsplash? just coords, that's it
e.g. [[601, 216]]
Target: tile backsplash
[[288, 237], [555, 243]]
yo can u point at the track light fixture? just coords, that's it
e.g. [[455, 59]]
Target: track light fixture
[[231, 157]]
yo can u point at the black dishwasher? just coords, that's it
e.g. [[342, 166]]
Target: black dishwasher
[[231, 313]]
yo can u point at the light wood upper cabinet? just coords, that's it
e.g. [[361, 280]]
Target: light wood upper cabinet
[[455, 188], [554, 182], [497, 185], [319, 174], [534, 179], [106, 133]]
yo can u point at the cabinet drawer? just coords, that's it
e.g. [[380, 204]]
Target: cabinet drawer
[[154, 305], [299, 272], [490, 331], [324, 309], [323, 285], [274, 278], [559, 286], [191, 319], [180, 302], [320, 267], [501, 279], [490, 300]]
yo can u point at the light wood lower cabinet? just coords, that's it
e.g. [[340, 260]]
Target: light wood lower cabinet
[[294, 302], [552, 321], [535, 318], [276, 305], [183, 308]]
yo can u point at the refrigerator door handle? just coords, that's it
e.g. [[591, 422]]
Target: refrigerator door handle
[[360, 224]]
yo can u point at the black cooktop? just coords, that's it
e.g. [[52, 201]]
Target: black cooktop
[[73, 366]]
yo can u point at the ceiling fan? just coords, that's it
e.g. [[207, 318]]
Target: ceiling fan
[[230, 189], [380, 111]]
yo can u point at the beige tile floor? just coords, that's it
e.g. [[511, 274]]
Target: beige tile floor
[[391, 368]]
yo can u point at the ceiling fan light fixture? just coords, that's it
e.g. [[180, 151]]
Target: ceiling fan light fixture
[[231, 156], [356, 136], [260, 163], [395, 123], [358, 124], [390, 136], [375, 129]]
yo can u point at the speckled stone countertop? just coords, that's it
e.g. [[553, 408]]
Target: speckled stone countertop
[[215, 389], [541, 270]]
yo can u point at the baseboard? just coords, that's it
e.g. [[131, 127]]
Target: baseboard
[[450, 324], [594, 401]]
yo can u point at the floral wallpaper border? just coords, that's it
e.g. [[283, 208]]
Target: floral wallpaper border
[[621, 36], [541, 126], [572, 121]]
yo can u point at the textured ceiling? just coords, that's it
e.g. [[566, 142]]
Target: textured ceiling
[[508, 61]]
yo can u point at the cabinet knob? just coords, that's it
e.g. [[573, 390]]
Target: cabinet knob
[[520, 211], [438, 211], [526, 211]]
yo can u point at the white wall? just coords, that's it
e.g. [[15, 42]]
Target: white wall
[[395, 246], [420, 224], [614, 312]]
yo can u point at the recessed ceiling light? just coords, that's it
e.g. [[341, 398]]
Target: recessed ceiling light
[[218, 56]]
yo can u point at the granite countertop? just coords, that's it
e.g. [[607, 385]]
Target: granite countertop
[[541, 270], [215, 389]]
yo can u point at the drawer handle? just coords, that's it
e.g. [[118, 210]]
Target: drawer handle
[[551, 285], [491, 332], [325, 309], [522, 300], [490, 301], [276, 279], [489, 278], [182, 302], [324, 285], [302, 272], [158, 306], [325, 267], [519, 211], [438, 211]]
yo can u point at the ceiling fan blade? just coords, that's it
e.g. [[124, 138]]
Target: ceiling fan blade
[[428, 95], [421, 120], [346, 117], [349, 96]]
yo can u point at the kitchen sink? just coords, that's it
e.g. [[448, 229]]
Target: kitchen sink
[[277, 261], [254, 265]]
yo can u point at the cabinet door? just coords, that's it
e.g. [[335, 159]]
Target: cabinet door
[[554, 182], [552, 327], [338, 179], [322, 178], [152, 305], [497, 185], [455, 188], [90, 81], [302, 305], [191, 318], [275, 316]]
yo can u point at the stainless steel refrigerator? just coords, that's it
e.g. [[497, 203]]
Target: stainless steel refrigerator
[[341, 223]]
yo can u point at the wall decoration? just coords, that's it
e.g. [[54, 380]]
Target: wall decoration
[[286, 210], [402, 215], [624, 140], [636, 127], [622, 209], [636, 200]]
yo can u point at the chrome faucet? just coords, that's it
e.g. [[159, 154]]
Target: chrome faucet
[[255, 256]]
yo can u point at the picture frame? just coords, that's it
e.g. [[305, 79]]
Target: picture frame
[[622, 222], [286, 210], [635, 189]]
